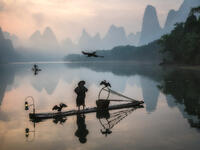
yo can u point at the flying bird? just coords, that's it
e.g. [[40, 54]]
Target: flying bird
[[60, 107], [92, 54], [105, 83]]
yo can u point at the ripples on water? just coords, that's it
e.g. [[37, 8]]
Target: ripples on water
[[169, 120]]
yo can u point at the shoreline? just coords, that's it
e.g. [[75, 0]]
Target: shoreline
[[183, 66]]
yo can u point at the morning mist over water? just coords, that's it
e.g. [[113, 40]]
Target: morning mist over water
[[99, 74], [164, 115]]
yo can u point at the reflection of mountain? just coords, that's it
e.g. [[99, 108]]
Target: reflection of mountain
[[48, 85], [6, 78], [150, 94], [48, 78], [152, 75], [122, 69], [184, 86]]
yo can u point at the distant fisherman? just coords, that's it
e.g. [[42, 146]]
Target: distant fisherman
[[80, 91]]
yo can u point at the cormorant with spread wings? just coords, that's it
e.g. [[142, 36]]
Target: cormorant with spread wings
[[92, 54]]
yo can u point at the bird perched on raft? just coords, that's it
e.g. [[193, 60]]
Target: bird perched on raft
[[105, 83], [60, 107]]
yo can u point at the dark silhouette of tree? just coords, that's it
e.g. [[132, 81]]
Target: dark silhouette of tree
[[182, 44], [195, 10]]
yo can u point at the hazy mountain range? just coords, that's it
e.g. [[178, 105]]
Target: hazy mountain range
[[7, 52], [46, 45], [44, 41], [151, 29]]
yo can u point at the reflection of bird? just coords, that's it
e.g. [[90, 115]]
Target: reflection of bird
[[92, 54], [60, 107], [59, 119], [105, 83]]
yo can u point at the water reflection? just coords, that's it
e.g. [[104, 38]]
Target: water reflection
[[108, 121], [59, 119], [184, 86], [171, 114], [6, 78], [82, 130]]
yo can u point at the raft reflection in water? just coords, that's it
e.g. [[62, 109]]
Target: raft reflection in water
[[107, 119]]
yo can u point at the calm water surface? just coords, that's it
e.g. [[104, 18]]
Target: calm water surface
[[170, 118]]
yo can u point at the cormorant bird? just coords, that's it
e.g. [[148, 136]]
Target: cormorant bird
[[105, 83], [92, 54], [60, 107]]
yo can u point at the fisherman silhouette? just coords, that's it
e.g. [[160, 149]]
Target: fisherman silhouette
[[35, 66], [80, 91], [82, 131], [35, 69]]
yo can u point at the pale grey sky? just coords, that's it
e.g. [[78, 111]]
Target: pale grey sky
[[67, 18]]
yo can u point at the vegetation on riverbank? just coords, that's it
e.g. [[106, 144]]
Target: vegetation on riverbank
[[182, 45], [146, 53]]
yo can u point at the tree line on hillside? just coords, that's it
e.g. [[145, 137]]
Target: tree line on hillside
[[182, 45], [144, 53]]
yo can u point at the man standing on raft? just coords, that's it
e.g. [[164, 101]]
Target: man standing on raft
[[80, 91]]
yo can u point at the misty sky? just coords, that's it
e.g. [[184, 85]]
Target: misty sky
[[67, 18]]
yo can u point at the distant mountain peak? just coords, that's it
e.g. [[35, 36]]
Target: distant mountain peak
[[36, 35], [48, 29], [116, 30], [150, 12], [85, 33], [179, 15], [151, 29], [115, 36], [97, 36], [169, 21], [49, 33], [150, 7], [47, 40]]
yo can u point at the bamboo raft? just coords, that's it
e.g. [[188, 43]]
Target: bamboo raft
[[42, 116]]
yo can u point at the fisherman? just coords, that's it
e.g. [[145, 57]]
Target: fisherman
[[80, 91], [35, 67]]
